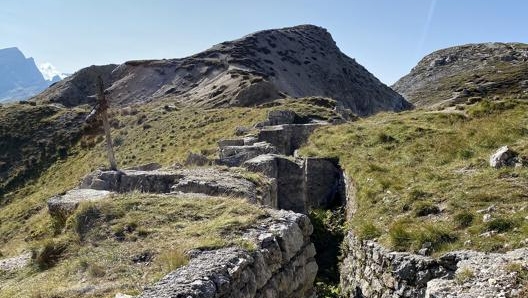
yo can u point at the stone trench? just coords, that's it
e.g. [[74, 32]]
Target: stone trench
[[284, 261]]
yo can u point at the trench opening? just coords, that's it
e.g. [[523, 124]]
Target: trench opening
[[327, 237]]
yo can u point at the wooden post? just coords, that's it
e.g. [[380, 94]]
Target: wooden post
[[102, 107]]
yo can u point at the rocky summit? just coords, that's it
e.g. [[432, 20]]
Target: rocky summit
[[290, 62], [456, 74]]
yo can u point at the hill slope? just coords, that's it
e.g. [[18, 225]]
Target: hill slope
[[424, 176], [260, 67], [453, 75]]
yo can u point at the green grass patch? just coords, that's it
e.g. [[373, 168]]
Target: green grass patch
[[103, 243], [407, 167]]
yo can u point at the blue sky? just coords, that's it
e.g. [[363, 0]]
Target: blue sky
[[388, 37]]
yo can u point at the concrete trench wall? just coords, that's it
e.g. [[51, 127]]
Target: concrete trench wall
[[302, 184]]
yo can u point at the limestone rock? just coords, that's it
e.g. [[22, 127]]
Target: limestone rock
[[214, 182], [235, 155], [65, 204], [15, 263], [287, 138], [279, 117], [481, 275], [302, 184], [504, 156]]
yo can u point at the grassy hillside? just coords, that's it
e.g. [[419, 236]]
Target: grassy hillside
[[424, 176], [127, 242], [70, 259], [32, 138]]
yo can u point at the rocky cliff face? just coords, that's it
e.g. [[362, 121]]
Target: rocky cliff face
[[260, 67], [19, 76], [456, 74]]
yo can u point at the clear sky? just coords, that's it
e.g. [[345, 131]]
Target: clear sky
[[388, 37]]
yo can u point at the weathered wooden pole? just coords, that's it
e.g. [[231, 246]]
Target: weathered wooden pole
[[101, 111]]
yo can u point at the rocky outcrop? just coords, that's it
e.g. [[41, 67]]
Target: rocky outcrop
[[205, 180], [235, 155], [465, 73], [15, 263], [370, 270], [290, 62], [289, 137], [482, 275], [282, 132], [63, 205], [504, 156], [282, 265]]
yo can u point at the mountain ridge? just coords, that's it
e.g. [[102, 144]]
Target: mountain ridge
[[453, 75], [257, 68]]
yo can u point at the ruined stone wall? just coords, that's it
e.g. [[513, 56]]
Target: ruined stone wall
[[282, 265], [370, 270]]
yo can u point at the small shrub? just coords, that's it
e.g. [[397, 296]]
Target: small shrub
[[118, 141], [400, 238], [463, 219], [466, 154], [416, 194], [367, 231], [84, 218], [464, 275], [49, 253], [384, 138], [500, 225], [172, 259], [96, 270], [425, 208], [520, 271], [436, 234]]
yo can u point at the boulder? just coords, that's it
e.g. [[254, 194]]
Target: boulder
[[63, 205], [504, 156], [235, 155]]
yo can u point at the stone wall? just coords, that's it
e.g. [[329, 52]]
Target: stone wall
[[282, 265], [370, 270]]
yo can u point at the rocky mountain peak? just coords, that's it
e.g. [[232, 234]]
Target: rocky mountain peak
[[19, 76], [289, 62], [473, 70]]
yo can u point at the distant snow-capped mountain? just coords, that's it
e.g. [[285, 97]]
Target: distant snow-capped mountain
[[50, 72]]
